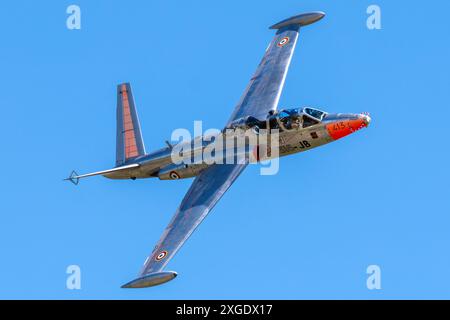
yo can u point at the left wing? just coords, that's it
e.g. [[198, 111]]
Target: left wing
[[205, 191], [264, 89]]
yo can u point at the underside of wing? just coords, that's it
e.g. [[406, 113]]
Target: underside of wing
[[264, 89], [204, 193]]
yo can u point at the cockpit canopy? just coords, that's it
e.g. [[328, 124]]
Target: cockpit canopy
[[315, 113], [285, 119], [296, 118]]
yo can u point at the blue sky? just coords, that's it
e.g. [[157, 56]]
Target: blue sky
[[377, 197]]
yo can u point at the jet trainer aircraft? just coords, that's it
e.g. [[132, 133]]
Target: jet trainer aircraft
[[300, 129]]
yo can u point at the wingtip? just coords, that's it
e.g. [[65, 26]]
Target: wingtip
[[303, 19], [150, 280]]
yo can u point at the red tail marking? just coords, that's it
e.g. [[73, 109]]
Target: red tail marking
[[128, 128]]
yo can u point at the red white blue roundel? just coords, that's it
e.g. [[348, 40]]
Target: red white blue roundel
[[161, 255], [174, 175], [283, 42]]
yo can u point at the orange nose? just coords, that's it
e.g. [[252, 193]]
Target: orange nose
[[340, 129]]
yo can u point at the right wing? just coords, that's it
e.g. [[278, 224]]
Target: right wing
[[204, 193], [264, 90]]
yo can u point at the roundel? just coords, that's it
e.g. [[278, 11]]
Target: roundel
[[174, 175], [161, 255], [283, 42]]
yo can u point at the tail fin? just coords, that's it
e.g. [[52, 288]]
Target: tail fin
[[129, 143]]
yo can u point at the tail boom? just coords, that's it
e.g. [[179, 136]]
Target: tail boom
[[75, 178]]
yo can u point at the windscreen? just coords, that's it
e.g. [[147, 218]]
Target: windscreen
[[314, 113]]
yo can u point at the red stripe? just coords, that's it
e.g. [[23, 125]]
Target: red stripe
[[131, 150]]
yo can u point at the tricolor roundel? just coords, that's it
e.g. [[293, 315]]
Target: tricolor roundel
[[161, 255], [284, 41]]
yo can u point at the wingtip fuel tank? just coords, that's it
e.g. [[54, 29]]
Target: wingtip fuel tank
[[152, 279], [301, 20]]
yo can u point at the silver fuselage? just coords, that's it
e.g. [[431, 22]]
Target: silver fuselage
[[331, 128]]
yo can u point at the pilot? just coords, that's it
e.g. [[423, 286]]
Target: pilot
[[287, 123], [296, 123]]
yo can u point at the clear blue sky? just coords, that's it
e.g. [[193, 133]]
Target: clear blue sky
[[378, 197]]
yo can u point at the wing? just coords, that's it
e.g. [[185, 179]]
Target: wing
[[203, 194], [264, 90]]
